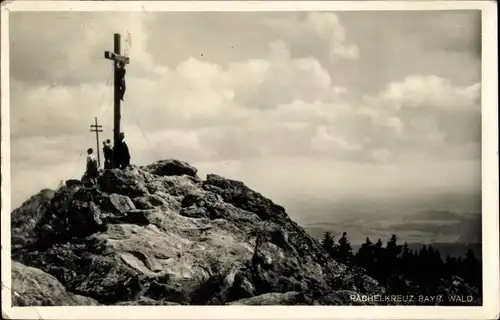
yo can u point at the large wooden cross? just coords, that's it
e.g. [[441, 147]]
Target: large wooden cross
[[117, 58]]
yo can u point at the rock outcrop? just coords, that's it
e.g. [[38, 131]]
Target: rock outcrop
[[33, 287], [160, 235]]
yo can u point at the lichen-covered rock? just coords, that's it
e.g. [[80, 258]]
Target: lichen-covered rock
[[25, 218], [123, 182], [33, 287], [118, 203]]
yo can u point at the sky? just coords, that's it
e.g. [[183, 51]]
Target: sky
[[301, 106]]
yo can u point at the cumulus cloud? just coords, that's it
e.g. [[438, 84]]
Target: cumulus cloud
[[286, 80], [432, 110], [318, 33], [275, 105], [328, 26], [430, 92]]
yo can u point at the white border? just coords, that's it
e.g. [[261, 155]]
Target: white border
[[490, 217], [246, 5]]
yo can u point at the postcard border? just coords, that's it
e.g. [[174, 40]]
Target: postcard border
[[490, 216]]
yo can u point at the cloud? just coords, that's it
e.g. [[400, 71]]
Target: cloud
[[197, 111], [279, 102], [193, 94], [432, 110], [315, 33], [285, 80], [55, 110], [70, 50], [430, 92], [328, 27], [325, 141]]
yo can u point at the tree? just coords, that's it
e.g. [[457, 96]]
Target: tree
[[405, 271], [344, 249], [471, 269], [423, 255], [364, 256], [422, 263], [405, 257], [406, 251], [435, 262], [328, 242], [409, 262], [393, 249], [378, 251]]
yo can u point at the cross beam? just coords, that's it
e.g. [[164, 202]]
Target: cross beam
[[117, 58]]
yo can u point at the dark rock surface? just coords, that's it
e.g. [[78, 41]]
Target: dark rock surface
[[171, 167], [160, 235]]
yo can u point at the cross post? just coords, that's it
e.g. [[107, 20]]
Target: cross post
[[117, 58], [97, 128]]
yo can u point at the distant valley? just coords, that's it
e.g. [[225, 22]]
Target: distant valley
[[450, 232]]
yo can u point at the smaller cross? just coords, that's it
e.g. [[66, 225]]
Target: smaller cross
[[97, 128]]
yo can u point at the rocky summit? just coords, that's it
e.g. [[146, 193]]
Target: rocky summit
[[160, 235]]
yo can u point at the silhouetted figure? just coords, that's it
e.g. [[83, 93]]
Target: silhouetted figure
[[122, 155], [121, 76], [108, 154], [126, 153], [92, 170]]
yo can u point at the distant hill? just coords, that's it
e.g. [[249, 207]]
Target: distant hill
[[441, 215], [430, 226]]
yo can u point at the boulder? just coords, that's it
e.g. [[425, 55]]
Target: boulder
[[171, 167], [142, 203], [26, 218], [123, 182], [33, 287], [73, 183], [239, 195], [117, 203]]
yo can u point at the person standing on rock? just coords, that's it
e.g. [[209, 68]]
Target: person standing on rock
[[108, 154], [92, 171], [122, 155]]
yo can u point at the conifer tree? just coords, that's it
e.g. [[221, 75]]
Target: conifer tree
[[393, 251], [328, 242], [364, 256], [408, 271], [471, 269], [344, 249]]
